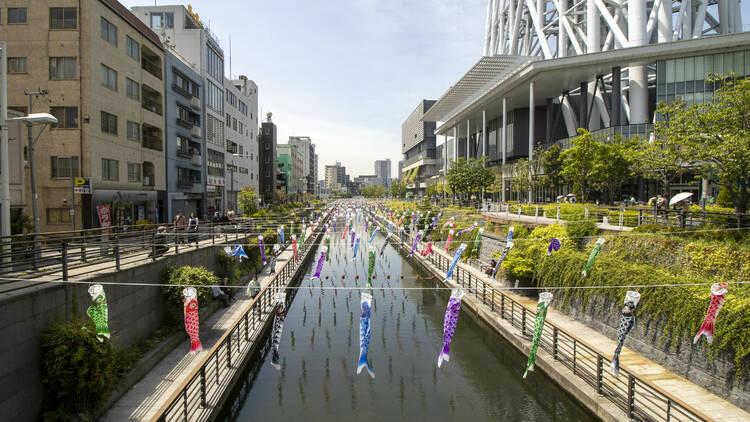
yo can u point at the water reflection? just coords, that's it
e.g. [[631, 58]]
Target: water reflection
[[482, 381]]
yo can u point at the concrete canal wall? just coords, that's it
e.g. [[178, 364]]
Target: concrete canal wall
[[134, 314]]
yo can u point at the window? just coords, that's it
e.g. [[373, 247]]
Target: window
[[132, 48], [16, 64], [110, 169], [162, 20], [61, 167], [231, 98], [240, 150], [63, 18], [240, 128], [109, 123], [234, 123], [109, 77], [108, 32], [134, 131], [214, 130], [133, 89], [62, 67], [229, 120], [243, 108], [16, 15], [67, 117], [58, 216], [215, 97], [134, 172], [215, 64], [185, 84]]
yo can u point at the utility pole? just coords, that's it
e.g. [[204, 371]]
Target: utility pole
[[34, 198], [5, 176]]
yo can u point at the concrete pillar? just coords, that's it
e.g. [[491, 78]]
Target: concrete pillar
[[664, 22], [637, 77], [504, 143], [531, 128], [485, 143], [593, 34], [549, 121], [562, 36], [468, 137], [615, 97], [455, 143]]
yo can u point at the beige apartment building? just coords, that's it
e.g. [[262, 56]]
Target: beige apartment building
[[103, 72]]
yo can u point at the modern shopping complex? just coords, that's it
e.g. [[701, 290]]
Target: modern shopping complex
[[548, 70]]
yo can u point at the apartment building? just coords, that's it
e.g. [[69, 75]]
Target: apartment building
[[103, 75], [182, 30], [186, 177], [291, 164], [267, 160], [307, 148], [241, 140]]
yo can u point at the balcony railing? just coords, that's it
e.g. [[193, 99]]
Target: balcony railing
[[184, 153], [148, 180], [151, 105], [151, 67], [152, 142]]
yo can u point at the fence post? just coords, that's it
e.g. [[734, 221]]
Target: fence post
[[229, 350], [599, 363], [575, 346], [523, 321], [554, 342], [117, 252], [536, 212], [64, 260], [622, 211], [83, 248], [493, 300], [153, 246], [247, 334], [640, 217], [203, 386], [631, 395], [484, 286]]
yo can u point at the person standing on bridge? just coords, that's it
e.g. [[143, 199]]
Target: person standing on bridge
[[180, 224], [193, 229]]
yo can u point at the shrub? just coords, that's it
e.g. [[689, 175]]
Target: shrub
[[518, 267], [197, 276], [77, 369], [579, 230]]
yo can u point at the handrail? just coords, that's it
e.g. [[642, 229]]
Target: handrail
[[262, 300], [628, 402]]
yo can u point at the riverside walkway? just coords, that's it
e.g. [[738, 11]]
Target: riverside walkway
[[571, 352], [507, 217], [149, 398]]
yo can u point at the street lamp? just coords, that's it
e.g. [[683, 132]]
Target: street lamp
[[43, 119]]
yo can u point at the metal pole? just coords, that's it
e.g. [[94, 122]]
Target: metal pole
[[5, 218], [72, 195]]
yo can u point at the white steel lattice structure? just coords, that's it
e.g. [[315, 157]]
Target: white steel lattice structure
[[561, 28]]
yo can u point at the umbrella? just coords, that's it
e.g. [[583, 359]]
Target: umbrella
[[680, 197], [560, 197]]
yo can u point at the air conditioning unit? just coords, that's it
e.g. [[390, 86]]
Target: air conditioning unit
[[195, 102], [195, 132]]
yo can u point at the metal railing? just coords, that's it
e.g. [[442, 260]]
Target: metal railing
[[57, 253], [640, 399], [198, 395]]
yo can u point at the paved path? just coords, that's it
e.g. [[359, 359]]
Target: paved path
[[147, 396], [530, 219]]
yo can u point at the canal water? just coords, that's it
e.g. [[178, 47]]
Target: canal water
[[320, 348]]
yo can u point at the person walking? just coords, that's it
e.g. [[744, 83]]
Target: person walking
[[193, 229], [180, 224]]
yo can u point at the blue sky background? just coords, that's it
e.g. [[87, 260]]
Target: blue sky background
[[347, 73]]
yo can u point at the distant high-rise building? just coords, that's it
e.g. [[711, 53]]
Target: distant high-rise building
[[267, 159], [383, 171], [336, 177]]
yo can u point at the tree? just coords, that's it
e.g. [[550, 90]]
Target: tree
[[247, 200], [612, 167], [467, 177], [657, 159], [398, 190], [373, 191], [520, 180], [714, 137], [457, 177], [279, 197], [551, 165], [578, 163]]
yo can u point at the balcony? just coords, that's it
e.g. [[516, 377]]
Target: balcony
[[148, 174], [195, 160], [184, 184], [184, 123], [195, 102], [151, 100], [152, 138], [151, 62], [184, 153]]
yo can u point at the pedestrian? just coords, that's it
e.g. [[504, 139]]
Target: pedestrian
[[491, 267], [193, 229], [227, 290], [180, 224], [219, 294]]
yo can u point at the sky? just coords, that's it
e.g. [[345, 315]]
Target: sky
[[347, 73]]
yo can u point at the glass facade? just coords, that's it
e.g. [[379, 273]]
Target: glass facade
[[686, 77]]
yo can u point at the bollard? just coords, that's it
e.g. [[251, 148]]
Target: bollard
[[621, 216], [557, 218], [586, 213], [536, 212]]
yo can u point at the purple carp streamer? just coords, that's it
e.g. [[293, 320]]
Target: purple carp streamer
[[627, 322], [718, 294], [262, 249], [364, 334], [351, 245], [449, 325], [456, 257], [541, 315], [468, 229], [321, 260], [554, 246], [416, 242]]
